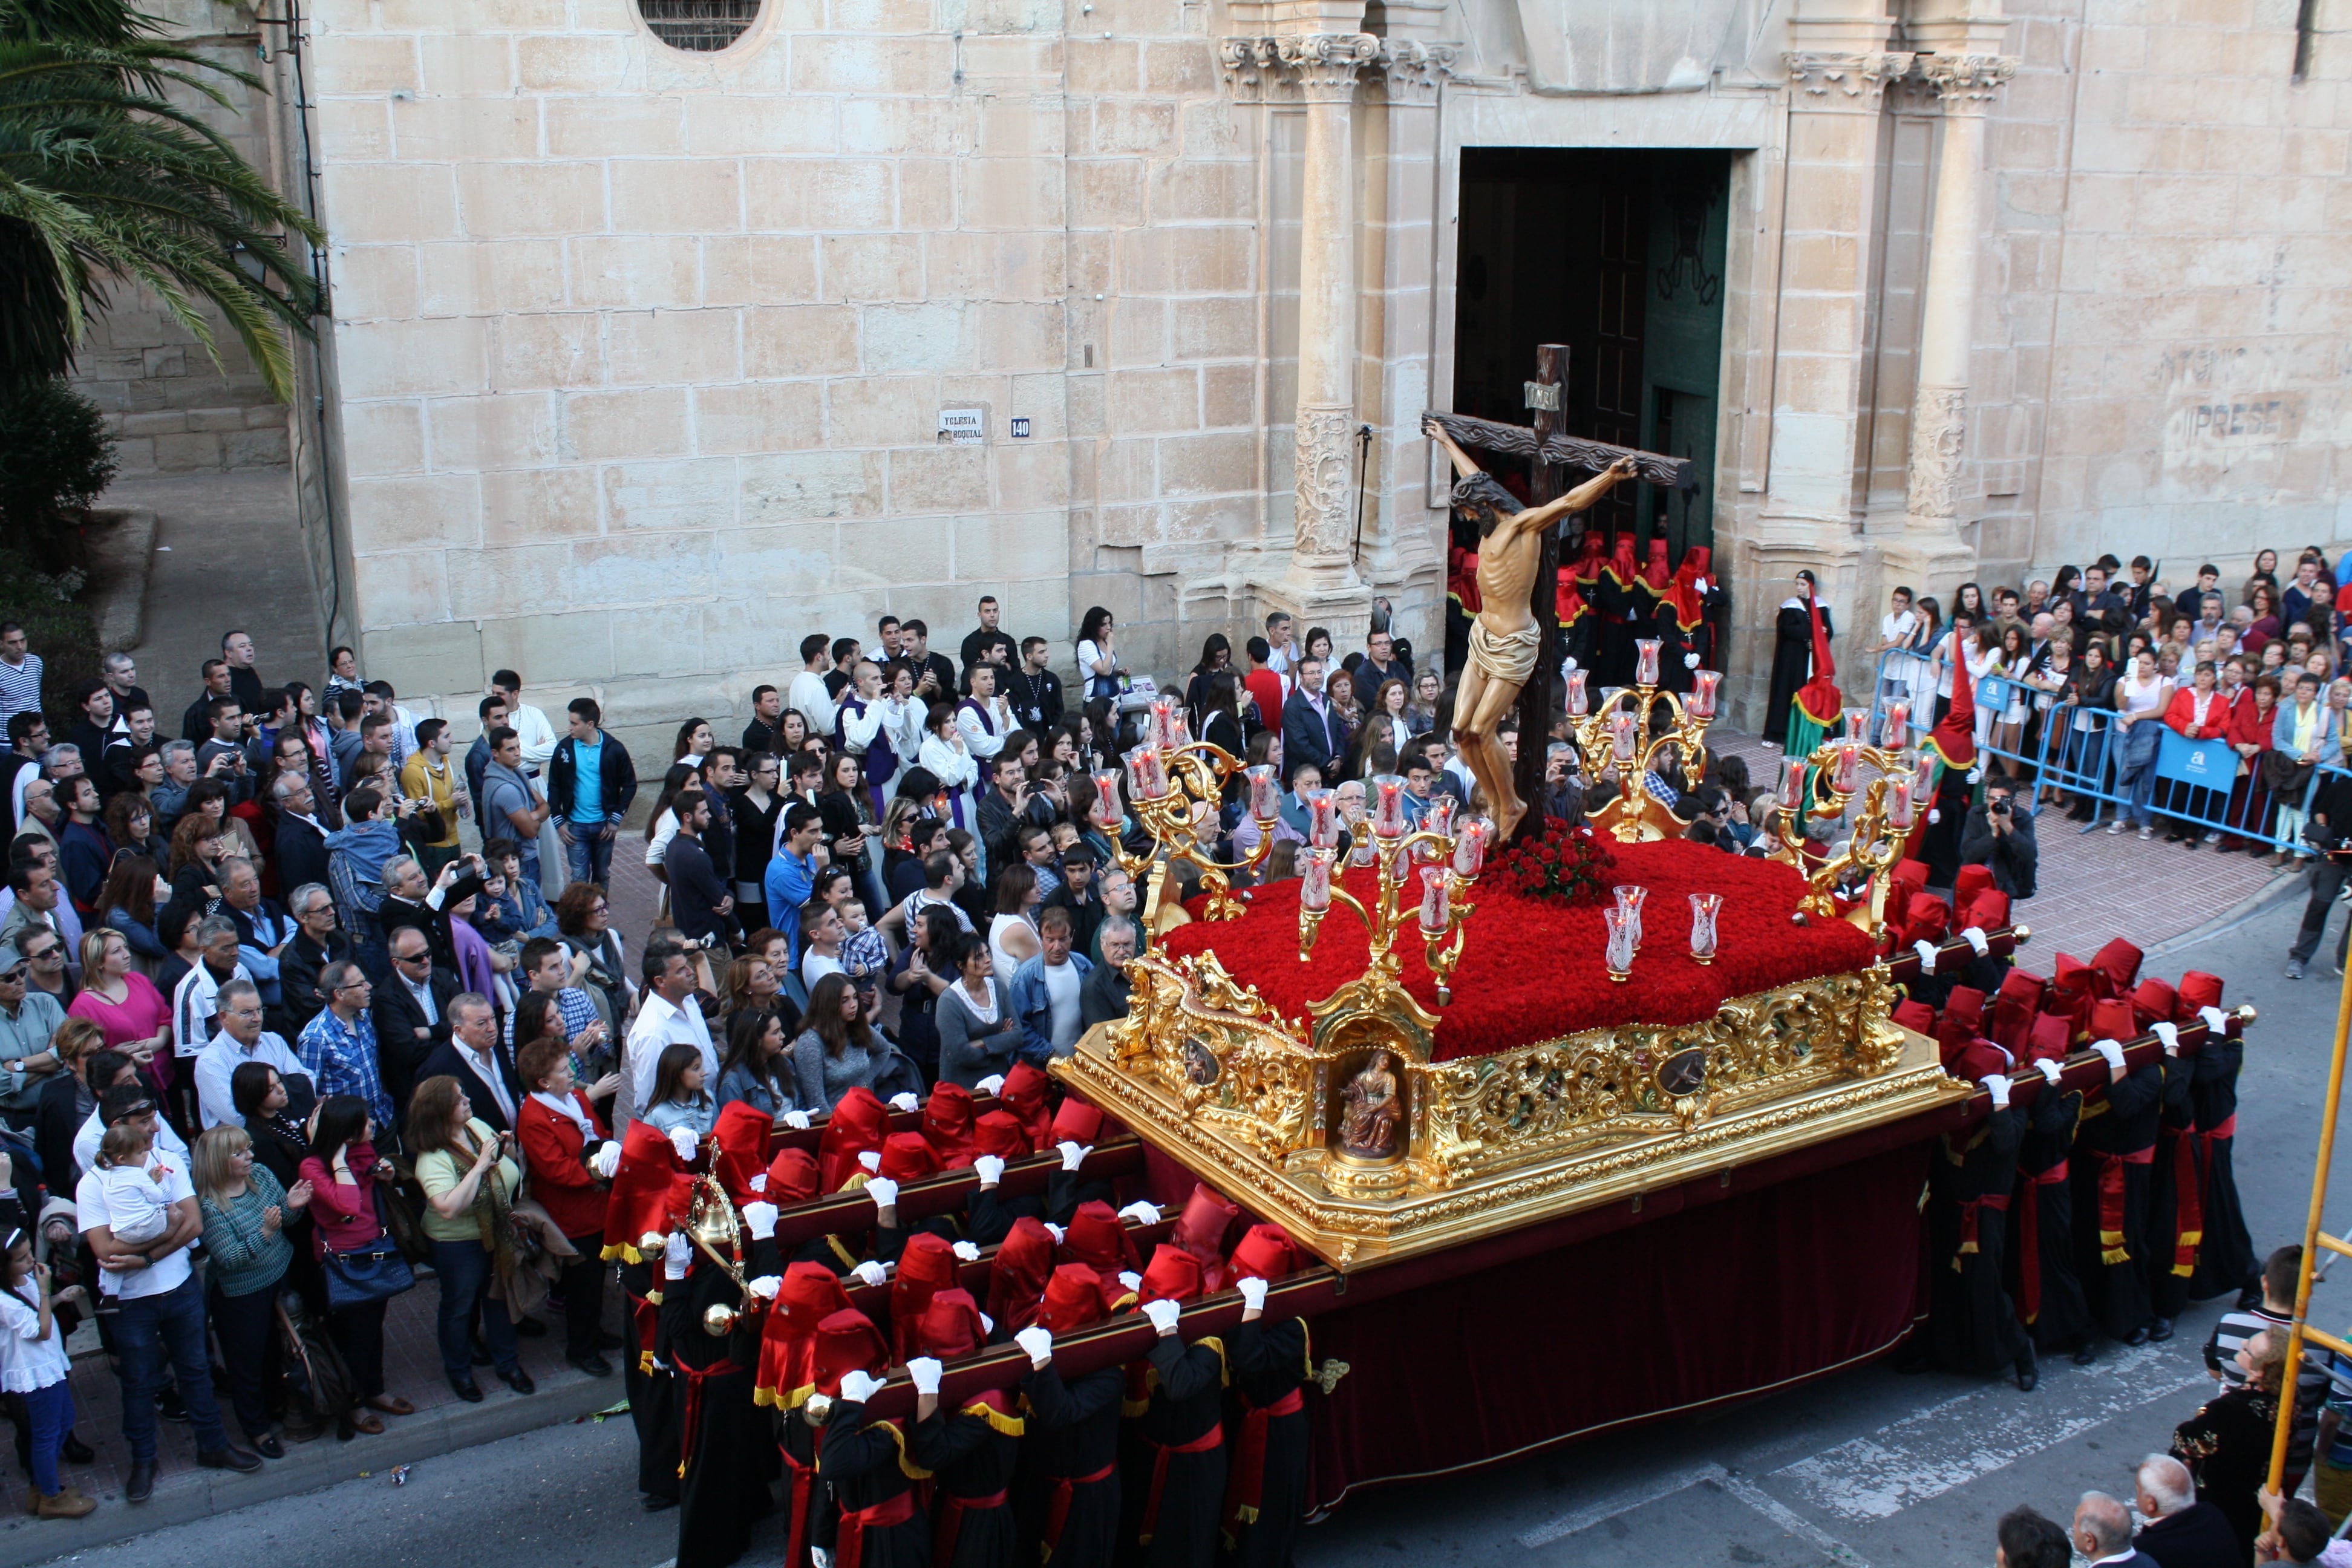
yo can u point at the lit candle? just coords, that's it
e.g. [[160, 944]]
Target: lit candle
[[1439, 818], [1180, 728], [1146, 775], [1645, 661], [1470, 841], [1163, 722], [1792, 787], [1900, 810], [1848, 777], [1620, 950], [1387, 792], [1629, 904], [1315, 880], [1857, 724], [1578, 703], [1436, 911], [1702, 693], [1704, 908], [1899, 727], [1621, 735], [1265, 790], [1323, 819], [1923, 775], [1107, 787]]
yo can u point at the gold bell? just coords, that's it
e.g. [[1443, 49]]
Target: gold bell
[[817, 1409], [718, 1321]]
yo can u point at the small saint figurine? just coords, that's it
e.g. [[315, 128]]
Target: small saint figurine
[[1374, 1119]]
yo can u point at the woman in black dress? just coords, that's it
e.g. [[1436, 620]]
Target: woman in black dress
[[1792, 656], [2227, 1445]]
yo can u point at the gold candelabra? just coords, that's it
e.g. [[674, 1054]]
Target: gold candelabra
[[1177, 786], [1618, 734], [1821, 787], [1448, 858]]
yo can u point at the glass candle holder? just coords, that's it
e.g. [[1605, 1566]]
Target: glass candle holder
[[1315, 879], [1323, 819], [1470, 842], [1622, 727], [1857, 725], [1629, 904], [1923, 776], [1436, 901], [1163, 729], [1147, 775], [1897, 733], [1705, 907], [1847, 778], [1620, 949], [1578, 705], [1700, 704], [1114, 814], [1900, 811], [1384, 794], [1265, 790], [1180, 726], [1793, 786], [1645, 661], [1439, 818]]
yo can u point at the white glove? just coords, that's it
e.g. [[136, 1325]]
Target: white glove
[[766, 1286], [2110, 1053], [2216, 1020], [1055, 1231], [1997, 1084], [820, 1557], [1129, 1279], [1976, 774], [991, 1084], [1934, 815], [871, 1273], [1690, 662], [608, 1159], [882, 1190], [858, 1388], [871, 1160], [1141, 1213], [1698, 584], [2168, 1034], [987, 1324], [988, 1169], [798, 1120], [1253, 1294], [1163, 1315], [1927, 951], [2049, 1071], [1975, 935], [925, 1371], [1568, 664], [905, 1103], [1074, 1155], [759, 1183], [762, 1218], [967, 1250], [683, 1140], [675, 1252], [1036, 1343]]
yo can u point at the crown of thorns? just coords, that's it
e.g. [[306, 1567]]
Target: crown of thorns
[[1473, 491]]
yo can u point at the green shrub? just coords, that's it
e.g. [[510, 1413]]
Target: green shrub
[[56, 460]]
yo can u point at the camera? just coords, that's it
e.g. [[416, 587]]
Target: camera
[[2000, 806]]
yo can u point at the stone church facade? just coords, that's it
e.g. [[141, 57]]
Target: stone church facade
[[666, 331]]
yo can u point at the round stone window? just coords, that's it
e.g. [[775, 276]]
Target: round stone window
[[703, 25]]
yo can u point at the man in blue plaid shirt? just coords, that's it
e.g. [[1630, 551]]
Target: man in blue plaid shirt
[[337, 1047]]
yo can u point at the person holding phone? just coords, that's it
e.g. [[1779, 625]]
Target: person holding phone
[[471, 1179]]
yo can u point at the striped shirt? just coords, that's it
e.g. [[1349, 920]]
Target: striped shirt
[[2230, 1333], [20, 687]]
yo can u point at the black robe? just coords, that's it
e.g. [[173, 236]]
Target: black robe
[[1972, 1325], [1793, 666], [653, 1391], [988, 1218], [808, 1504], [863, 1468], [2122, 1125], [971, 1453], [2226, 1262], [1269, 1365], [724, 1488], [1073, 1433], [1617, 609], [1186, 1407], [2176, 1139], [2060, 1315], [2227, 1448]]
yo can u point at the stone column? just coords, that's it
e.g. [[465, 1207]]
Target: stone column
[[1965, 84]]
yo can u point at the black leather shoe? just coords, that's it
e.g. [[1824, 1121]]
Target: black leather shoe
[[74, 1452], [242, 1460], [2138, 1336], [267, 1446], [2086, 1353], [519, 1380], [654, 1502], [2028, 1373], [592, 1363], [530, 1327], [142, 1484], [467, 1389], [2160, 1331]]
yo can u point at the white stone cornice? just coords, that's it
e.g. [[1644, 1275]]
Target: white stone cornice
[[1314, 66], [1844, 80]]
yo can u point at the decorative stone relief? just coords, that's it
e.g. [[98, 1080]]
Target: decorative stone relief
[[1315, 67], [1859, 78], [1412, 69], [1323, 523], [1939, 432]]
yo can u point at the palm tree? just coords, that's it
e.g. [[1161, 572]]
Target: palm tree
[[103, 178]]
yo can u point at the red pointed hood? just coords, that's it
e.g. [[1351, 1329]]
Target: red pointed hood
[[1955, 735], [1820, 698], [1689, 604], [1655, 572]]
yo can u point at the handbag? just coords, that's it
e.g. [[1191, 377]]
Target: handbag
[[2282, 773], [375, 1272]]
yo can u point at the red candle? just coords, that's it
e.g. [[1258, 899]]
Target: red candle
[[1645, 661], [1436, 911], [1900, 811], [1578, 704], [1323, 819], [1387, 805], [1470, 841], [1702, 693], [1793, 788], [1621, 735], [1899, 727], [1265, 790], [1107, 787], [1848, 777], [1315, 880]]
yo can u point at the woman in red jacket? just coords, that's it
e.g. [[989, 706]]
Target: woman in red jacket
[[2199, 712], [2250, 737], [558, 1135], [340, 1169]]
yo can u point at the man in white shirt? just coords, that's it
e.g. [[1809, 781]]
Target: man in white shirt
[[196, 1000], [808, 692], [1895, 630], [1282, 654], [242, 1039], [667, 1016]]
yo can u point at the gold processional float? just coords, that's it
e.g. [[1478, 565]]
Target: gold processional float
[[1339, 1126]]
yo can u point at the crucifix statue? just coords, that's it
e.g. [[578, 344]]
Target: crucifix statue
[[1512, 640]]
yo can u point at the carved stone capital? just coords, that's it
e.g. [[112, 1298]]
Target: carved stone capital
[[1413, 68], [1967, 82], [1319, 67], [1844, 80]]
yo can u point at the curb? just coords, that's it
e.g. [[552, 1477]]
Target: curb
[[2286, 885], [189, 1496], [123, 554]]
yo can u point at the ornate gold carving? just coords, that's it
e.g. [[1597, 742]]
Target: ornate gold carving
[[1635, 814], [1876, 841]]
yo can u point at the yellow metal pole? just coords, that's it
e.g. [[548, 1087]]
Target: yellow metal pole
[[2311, 1228]]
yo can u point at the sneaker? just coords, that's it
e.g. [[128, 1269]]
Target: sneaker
[[2213, 837], [2146, 834], [2116, 825], [2295, 969]]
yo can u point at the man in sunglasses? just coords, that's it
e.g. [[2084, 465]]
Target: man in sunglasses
[[337, 1047]]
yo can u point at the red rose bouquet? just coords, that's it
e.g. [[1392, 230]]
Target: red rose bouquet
[[1566, 865]]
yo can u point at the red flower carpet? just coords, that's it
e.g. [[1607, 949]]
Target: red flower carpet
[[1532, 970]]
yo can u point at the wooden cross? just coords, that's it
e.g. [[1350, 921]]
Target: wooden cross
[[1548, 451]]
